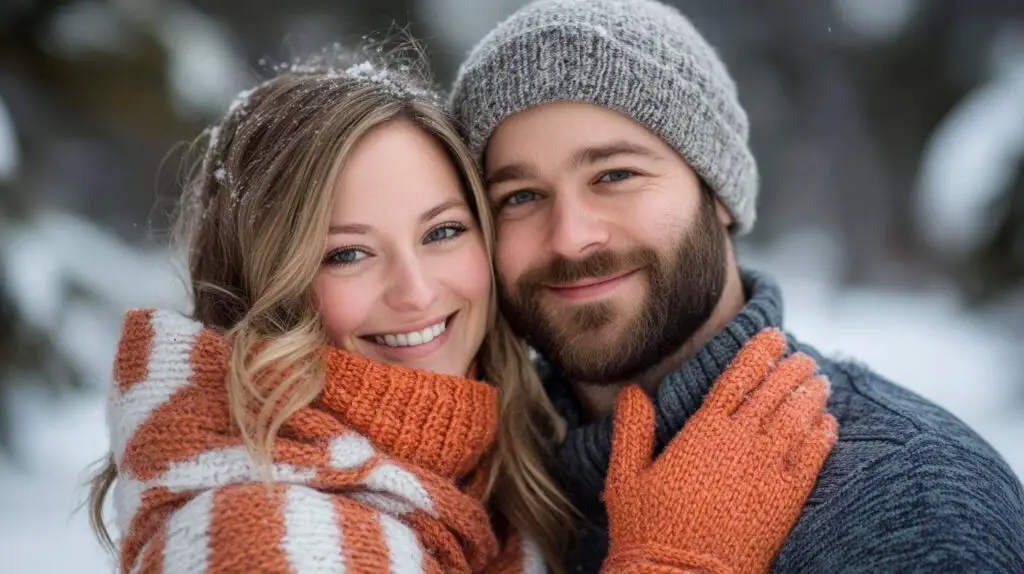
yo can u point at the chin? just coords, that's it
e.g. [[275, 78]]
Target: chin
[[607, 338]]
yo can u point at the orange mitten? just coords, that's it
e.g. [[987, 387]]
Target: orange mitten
[[726, 491]]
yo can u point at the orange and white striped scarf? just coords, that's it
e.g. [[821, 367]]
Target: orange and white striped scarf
[[365, 479]]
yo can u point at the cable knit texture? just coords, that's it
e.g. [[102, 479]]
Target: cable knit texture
[[725, 492], [363, 480]]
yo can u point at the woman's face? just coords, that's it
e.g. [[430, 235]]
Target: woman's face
[[405, 277]]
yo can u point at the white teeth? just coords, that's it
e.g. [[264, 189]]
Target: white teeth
[[412, 339]]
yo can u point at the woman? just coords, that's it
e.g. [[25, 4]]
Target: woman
[[321, 410]]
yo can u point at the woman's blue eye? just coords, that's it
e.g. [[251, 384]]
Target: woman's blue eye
[[449, 231], [346, 256], [615, 175], [521, 196]]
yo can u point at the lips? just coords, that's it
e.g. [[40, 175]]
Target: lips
[[591, 281], [592, 287], [412, 336]]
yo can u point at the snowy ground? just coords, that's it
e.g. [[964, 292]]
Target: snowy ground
[[920, 340], [40, 532]]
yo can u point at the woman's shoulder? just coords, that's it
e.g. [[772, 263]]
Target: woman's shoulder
[[165, 349], [167, 366]]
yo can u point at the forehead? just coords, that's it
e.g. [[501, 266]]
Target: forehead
[[552, 131], [394, 170]]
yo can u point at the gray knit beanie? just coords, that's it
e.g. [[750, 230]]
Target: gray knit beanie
[[639, 57]]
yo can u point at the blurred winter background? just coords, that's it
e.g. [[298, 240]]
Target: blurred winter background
[[890, 135]]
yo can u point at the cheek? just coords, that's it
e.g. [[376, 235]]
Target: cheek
[[660, 217], [473, 275], [343, 308], [514, 252]]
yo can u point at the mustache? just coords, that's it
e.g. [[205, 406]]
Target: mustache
[[601, 264]]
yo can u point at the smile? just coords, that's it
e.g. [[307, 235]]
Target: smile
[[412, 338], [591, 287], [415, 337]]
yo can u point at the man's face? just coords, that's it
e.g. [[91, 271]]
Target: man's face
[[610, 254]]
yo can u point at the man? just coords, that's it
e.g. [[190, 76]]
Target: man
[[616, 155]]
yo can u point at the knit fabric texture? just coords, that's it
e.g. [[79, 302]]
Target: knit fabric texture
[[639, 57], [380, 472], [726, 491], [363, 480], [907, 488]]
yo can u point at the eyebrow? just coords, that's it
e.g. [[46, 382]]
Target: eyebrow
[[362, 229], [355, 228], [440, 208], [588, 155], [510, 172], [592, 154]]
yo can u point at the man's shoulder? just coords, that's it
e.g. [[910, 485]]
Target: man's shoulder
[[906, 480], [882, 424], [871, 408], [888, 432]]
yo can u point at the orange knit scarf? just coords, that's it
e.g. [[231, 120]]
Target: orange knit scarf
[[363, 480]]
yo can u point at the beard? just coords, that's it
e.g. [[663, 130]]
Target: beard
[[600, 343]]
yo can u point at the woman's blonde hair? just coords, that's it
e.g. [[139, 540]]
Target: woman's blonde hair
[[253, 218]]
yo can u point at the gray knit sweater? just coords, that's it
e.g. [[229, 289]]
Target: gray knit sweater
[[908, 487]]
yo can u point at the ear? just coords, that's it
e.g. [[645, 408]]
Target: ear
[[723, 213]]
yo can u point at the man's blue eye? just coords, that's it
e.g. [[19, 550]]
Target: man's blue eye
[[615, 175], [521, 196]]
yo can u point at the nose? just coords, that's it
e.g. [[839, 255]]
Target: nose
[[412, 287], [576, 226]]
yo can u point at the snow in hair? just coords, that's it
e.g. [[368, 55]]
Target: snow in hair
[[400, 79]]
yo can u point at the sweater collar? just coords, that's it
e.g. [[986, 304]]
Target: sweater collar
[[583, 457], [443, 423]]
